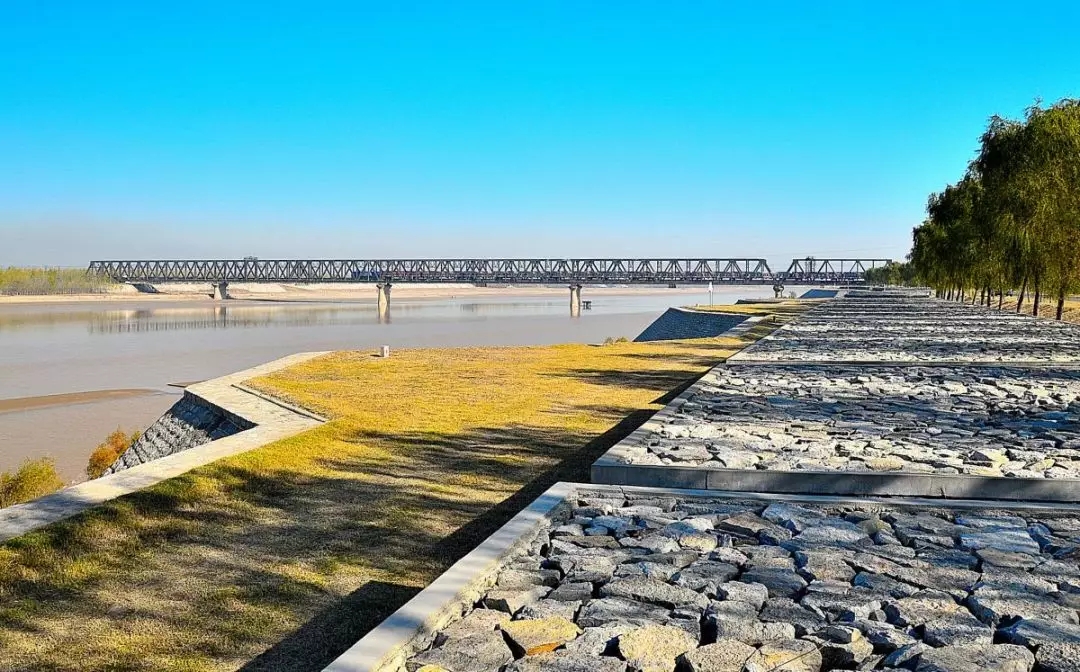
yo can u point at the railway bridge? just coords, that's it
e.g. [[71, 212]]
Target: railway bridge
[[572, 272]]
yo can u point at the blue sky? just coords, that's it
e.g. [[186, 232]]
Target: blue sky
[[135, 129]]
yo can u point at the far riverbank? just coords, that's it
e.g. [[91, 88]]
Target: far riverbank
[[283, 292]]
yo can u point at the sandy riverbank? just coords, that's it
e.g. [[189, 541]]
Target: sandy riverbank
[[68, 398], [336, 292]]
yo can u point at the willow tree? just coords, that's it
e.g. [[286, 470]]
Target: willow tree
[[1014, 218], [928, 257], [956, 254], [1007, 206], [1052, 147]]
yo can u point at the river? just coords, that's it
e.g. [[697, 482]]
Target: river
[[119, 363]]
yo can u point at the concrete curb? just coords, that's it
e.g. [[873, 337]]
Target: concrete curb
[[411, 628], [609, 470], [1020, 364], [388, 645], [272, 418]]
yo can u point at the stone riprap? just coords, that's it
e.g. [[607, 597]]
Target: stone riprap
[[191, 422], [906, 329], [983, 421], [677, 323], [714, 585]]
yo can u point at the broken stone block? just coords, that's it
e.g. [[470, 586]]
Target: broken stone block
[[530, 637]]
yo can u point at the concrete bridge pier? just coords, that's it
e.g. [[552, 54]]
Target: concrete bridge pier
[[575, 300], [384, 302], [221, 290]]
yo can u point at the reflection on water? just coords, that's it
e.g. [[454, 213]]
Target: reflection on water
[[249, 316], [246, 315]]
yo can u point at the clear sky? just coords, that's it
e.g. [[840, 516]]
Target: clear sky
[[352, 129]]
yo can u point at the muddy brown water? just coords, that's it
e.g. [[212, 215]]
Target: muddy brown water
[[72, 373]]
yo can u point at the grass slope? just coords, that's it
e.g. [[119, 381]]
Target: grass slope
[[283, 557]]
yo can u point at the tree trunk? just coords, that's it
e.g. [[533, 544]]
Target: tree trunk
[[1020, 300], [1061, 302], [982, 296], [1038, 297], [1001, 297]]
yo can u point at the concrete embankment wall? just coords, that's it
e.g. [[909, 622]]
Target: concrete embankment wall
[[190, 422], [677, 323]]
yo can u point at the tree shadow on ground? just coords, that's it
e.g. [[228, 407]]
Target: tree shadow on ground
[[342, 623], [243, 557]]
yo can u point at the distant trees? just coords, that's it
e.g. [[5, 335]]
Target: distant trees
[[892, 273], [45, 281], [1012, 222]]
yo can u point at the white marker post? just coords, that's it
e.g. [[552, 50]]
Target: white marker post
[[710, 292]]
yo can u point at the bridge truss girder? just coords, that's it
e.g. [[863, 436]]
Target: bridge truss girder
[[725, 271]]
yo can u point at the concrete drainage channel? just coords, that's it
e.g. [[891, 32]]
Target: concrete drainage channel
[[214, 419], [614, 577]]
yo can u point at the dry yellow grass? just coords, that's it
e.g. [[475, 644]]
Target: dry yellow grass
[[785, 307], [1047, 307], [281, 558]]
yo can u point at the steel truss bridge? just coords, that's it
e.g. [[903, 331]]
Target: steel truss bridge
[[746, 271]]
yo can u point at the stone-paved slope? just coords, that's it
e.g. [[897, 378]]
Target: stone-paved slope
[[985, 421], [669, 584], [189, 423], [678, 323], [902, 329]]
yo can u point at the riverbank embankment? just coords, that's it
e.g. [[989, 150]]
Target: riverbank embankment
[[743, 527], [426, 453]]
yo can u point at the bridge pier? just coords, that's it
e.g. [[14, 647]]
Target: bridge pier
[[384, 302], [221, 290], [575, 300]]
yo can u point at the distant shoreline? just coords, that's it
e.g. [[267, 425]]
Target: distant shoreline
[[342, 291]]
